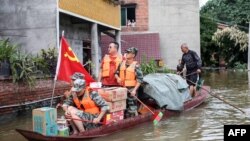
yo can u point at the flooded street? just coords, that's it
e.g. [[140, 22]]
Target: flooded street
[[203, 123]]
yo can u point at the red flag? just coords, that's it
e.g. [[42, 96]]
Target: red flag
[[68, 64]]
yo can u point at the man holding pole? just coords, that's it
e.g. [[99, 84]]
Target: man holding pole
[[193, 65], [130, 76]]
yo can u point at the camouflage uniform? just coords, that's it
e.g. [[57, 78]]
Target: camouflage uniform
[[132, 106], [77, 75], [99, 101]]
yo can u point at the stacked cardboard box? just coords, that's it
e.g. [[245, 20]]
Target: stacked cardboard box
[[44, 121], [117, 105], [113, 94], [116, 99], [114, 117]]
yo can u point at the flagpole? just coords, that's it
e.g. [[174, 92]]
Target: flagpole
[[57, 68], [52, 96], [57, 41]]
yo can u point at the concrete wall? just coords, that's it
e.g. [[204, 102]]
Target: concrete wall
[[30, 23], [177, 22], [75, 31]]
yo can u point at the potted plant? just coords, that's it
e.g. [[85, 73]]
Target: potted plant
[[6, 51]]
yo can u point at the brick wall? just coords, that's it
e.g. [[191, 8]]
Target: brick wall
[[9, 95], [148, 44], [141, 16]]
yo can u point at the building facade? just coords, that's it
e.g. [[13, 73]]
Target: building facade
[[38, 24], [175, 22], [135, 33]]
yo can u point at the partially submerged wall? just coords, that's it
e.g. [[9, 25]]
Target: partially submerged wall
[[14, 100]]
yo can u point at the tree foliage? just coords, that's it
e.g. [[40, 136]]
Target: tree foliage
[[233, 44], [229, 12], [231, 36], [208, 47]]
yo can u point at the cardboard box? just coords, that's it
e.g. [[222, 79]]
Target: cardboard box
[[95, 85], [114, 117], [113, 94], [44, 121], [117, 105]]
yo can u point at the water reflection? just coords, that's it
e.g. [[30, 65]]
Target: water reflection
[[7, 130], [200, 124]]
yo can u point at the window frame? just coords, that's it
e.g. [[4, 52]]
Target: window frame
[[126, 12]]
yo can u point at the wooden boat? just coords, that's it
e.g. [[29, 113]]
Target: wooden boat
[[116, 126]]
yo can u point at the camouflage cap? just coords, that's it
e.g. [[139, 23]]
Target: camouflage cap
[[132, 50], [78, 85], [77, 75]]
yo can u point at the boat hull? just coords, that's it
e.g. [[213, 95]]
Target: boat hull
[[116, 126]]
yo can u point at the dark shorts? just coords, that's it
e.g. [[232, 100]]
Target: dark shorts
[[192, 79]]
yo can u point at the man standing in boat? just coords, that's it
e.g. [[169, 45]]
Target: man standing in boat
[[109, 65], [89, 110], [193, 65], [129, 75]]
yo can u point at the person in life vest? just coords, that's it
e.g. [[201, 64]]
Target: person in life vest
[[85, 105], [76, 75], [193, 66], [130, 76], [109, 65]]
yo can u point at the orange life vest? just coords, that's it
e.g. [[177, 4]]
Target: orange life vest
[[88, 105], [127, 75], [106, 64]]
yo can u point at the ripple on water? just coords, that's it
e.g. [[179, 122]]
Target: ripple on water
[[204, 123]]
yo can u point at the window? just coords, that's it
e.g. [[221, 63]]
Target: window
[[128, 14]]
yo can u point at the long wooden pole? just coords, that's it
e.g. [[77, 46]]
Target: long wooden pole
[[212, 94], [155, 114], [144, 105]]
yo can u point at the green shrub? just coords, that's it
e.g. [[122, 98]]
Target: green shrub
[[152, 67], [239, 65], [6, 50], [49, 60], [148, 67], [22, 67]]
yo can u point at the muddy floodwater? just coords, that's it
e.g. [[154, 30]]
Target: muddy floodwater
[[203, 123]]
